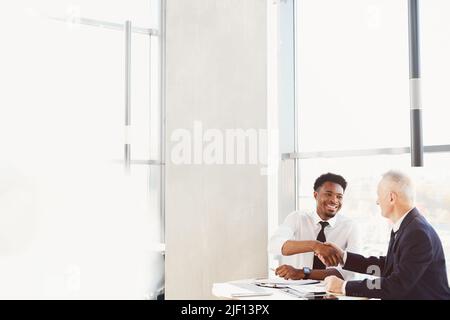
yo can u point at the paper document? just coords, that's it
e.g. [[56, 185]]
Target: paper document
[[248, 290], [281, 281], [308, 289]]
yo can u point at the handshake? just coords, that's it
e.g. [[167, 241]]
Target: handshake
[[329, 253]]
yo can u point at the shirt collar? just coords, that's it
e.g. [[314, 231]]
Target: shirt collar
[[397, 225], [317, 219]]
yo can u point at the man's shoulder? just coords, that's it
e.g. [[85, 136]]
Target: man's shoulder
[[346, 224], [419, 225], [301, 216], [416, 222], [345, 221], [298, 217]]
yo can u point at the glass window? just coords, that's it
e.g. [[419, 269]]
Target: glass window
[[435, 50], [353, 89], [353, 71], [72, 224], [107, 10]]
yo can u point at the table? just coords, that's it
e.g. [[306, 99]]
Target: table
[[226, 289]]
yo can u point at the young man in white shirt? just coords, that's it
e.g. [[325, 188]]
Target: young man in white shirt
[[302, 234]]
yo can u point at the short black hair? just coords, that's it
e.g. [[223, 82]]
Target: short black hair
[[330, 177]]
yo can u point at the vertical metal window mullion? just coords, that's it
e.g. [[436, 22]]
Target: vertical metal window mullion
[[415, 89]]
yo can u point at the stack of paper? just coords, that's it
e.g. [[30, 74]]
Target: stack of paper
[[248, 290]]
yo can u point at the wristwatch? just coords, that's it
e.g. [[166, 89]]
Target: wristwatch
[[306, 272]]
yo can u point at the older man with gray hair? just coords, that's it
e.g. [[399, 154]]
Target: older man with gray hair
[[414, 267]]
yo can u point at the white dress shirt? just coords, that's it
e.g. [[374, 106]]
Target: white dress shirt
[[301, 226]]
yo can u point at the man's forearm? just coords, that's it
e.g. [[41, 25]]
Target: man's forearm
[[361, 264], [318, 274], [291, 247]]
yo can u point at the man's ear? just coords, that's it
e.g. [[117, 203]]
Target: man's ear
[[315, 194], [393, 196]]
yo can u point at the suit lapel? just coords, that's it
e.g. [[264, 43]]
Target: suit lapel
[[390, 258]]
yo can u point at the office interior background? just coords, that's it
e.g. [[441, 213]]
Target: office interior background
[[92, 205]]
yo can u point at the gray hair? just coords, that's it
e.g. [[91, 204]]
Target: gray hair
[[403, 184]]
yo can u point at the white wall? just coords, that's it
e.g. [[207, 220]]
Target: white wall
[[216, 215]]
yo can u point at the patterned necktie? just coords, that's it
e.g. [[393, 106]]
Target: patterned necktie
[[317, 264]]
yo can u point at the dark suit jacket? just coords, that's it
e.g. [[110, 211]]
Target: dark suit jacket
[[414, 269]]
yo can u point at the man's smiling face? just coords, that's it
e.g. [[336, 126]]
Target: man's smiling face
[[329, 198]]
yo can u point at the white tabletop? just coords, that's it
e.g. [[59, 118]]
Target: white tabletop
[[227, 289]]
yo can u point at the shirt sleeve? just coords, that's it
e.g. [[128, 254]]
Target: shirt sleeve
[[285, 232], [343, 287], [353, 245], [347, 275], [354, 240]]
